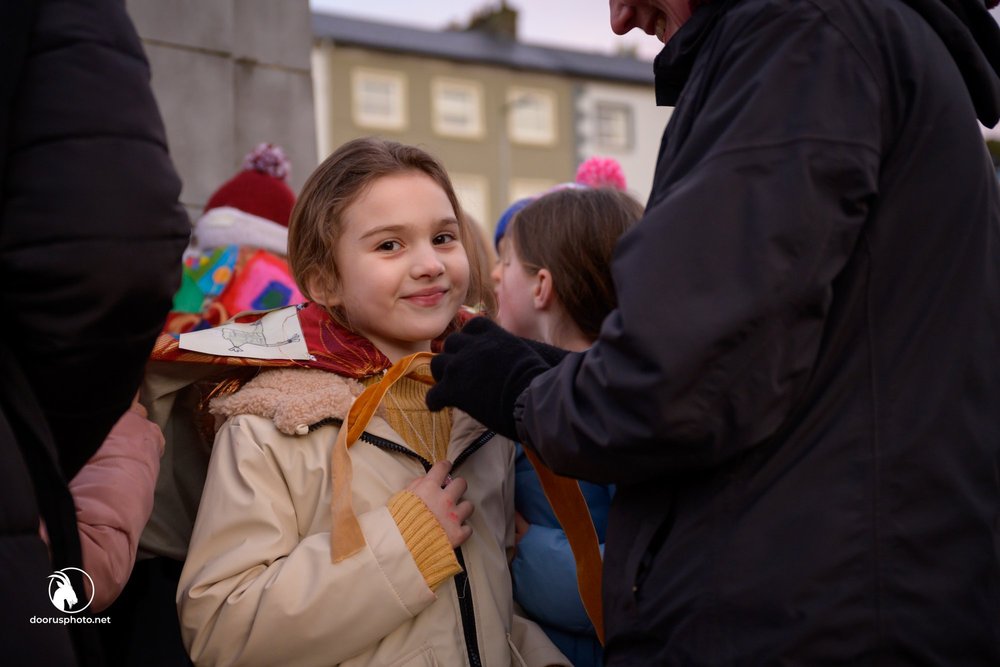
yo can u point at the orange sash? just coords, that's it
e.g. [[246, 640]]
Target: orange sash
[[563, 493]]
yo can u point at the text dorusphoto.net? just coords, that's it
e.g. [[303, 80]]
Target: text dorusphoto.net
[[66, 620]]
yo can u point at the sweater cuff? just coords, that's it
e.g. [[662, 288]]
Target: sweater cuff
[[424, 537]]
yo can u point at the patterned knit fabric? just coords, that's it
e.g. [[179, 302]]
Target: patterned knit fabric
[[426, 433]]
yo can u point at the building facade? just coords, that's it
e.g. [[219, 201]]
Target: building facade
[[507, 119]]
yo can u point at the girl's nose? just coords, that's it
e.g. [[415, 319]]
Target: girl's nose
[[427, 263], [495, 273]]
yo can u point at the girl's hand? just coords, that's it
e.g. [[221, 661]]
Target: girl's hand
[[443, 496]]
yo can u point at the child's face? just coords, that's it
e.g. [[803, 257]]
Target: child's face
[[515, 288], [403, 270]]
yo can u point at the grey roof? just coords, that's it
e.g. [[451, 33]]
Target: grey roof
[[478, 47]]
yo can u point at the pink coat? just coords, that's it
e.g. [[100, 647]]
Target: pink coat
[[113, 494]]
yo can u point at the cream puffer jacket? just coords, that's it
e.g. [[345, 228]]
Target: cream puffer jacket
[[259, 587]]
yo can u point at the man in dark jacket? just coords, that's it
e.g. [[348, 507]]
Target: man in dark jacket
[[91, 234], [799, 394]]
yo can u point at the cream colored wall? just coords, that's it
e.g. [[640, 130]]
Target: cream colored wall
[[649, 121], [481, 157]]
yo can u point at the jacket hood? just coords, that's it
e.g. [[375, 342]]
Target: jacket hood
[[973, 38], [965, 26]]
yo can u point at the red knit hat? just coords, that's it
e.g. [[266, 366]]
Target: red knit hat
[[259, 189], [253, 207]]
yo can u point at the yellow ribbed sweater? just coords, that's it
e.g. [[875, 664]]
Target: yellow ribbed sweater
[[426, 433]]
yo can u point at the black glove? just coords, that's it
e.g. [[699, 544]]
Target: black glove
[[483, 369]]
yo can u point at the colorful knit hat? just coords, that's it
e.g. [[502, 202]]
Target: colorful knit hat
[[253, 207]]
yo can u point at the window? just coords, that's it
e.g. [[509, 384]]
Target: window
[[614, 126], [458, 108], [531, 116], [473, 196], [379, 99]]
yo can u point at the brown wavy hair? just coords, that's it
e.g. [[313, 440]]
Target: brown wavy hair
[[317, 220], [572, 233]]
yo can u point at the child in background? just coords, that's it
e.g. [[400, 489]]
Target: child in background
[[236, 259], [235, 262], [305, 552], [553, 284]]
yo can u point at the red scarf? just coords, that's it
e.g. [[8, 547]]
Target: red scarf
[[334, 348]]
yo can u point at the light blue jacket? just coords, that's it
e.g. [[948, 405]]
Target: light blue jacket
[[544, 569]]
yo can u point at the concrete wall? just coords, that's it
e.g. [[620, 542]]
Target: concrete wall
[[229, 74]]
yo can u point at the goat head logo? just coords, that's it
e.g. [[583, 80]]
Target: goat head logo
[[62, 594]]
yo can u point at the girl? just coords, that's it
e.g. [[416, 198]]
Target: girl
[[553, 283], [308, 553]]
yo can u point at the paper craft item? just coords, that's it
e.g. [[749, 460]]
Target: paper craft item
[[277, 335]]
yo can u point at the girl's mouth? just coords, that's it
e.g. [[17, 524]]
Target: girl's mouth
[[427, 298]]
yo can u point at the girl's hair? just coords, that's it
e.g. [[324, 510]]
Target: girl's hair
[[481, 245], [572, 233], [317, 220]]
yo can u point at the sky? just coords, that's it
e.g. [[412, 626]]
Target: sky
[[582, 25]]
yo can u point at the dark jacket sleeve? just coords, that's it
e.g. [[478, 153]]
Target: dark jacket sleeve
[[92, 229], [724, 285]]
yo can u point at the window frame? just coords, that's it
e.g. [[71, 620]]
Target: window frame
[[477, 127], [519, 134], [398, 119], [628, 139]]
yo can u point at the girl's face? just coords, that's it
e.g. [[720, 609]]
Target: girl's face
[[403, 270], [515, 288]]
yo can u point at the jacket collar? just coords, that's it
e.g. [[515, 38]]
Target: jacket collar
[[965, 26], [672, 66]]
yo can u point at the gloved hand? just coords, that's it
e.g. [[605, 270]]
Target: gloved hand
[[483, 369]]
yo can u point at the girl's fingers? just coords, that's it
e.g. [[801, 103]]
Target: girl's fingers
[[456, 489], [439, 472], [464, 510]]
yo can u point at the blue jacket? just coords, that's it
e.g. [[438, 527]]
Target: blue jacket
[[544, 569]]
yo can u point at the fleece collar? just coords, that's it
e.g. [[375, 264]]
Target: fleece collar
[[293, 398]]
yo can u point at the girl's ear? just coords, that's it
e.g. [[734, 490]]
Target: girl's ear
[[324, 292], [543, 293]]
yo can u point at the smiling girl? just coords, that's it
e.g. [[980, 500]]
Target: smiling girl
[[306, 552]]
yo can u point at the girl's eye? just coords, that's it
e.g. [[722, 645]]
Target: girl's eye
[[444, 237], [389, 246]]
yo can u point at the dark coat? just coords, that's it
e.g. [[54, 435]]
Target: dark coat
[[799, 395], [91, 234]]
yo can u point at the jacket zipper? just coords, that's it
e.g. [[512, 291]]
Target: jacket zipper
[[463, 588], [389, 445], [468, 613]]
